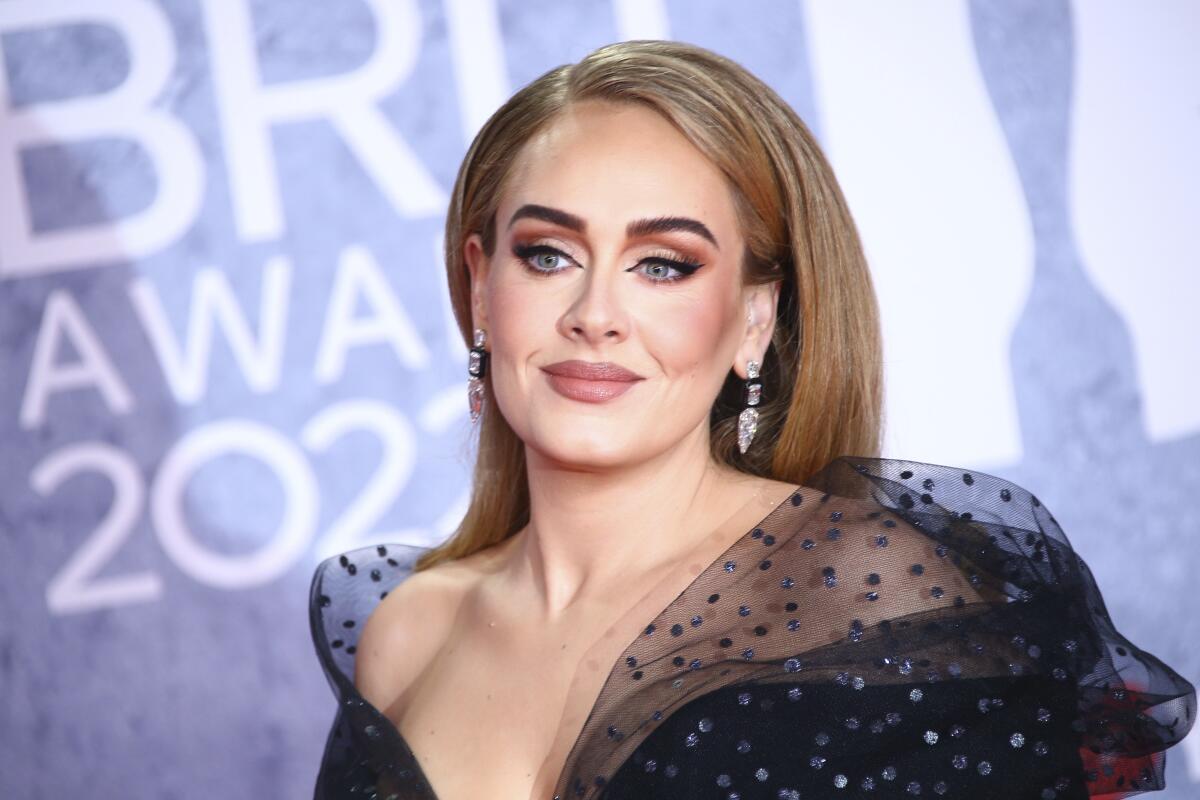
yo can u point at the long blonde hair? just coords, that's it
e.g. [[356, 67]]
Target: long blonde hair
[[822, 373]]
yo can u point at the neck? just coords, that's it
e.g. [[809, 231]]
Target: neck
[[592, 531]]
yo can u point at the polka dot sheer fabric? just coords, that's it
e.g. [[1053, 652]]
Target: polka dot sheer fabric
[[891, 629]]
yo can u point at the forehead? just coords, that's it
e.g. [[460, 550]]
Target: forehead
[[611, 163]]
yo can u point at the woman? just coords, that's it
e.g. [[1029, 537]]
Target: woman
[[683, 572]]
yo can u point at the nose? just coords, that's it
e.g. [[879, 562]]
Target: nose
[[597, 314]]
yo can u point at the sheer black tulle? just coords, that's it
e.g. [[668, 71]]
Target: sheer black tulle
[[892, 629]]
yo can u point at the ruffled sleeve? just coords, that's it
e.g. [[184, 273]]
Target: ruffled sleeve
[[1127, 706], [364, 755], [896, 628]]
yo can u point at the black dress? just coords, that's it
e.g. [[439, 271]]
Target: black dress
[[891, 629]]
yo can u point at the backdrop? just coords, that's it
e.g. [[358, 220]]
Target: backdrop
[[226, 350]]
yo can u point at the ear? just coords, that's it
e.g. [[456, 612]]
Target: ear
[[760, 302], [478, 265]]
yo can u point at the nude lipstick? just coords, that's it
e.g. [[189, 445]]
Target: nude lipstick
[[590, 381]]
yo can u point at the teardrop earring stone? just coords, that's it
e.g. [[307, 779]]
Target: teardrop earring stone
[[747, 425], [475, 398]]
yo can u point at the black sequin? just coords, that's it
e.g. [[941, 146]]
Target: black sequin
[[1007, 688]]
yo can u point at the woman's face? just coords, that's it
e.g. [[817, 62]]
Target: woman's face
[[582, 274]]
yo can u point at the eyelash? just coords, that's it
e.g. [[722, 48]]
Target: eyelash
[[685, 267]]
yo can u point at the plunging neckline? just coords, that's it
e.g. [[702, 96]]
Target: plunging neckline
[[790, 500]]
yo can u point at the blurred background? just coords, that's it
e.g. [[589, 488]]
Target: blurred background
[[226, 350]]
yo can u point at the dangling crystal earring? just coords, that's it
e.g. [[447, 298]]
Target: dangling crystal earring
[[477, 367], [748, 420]]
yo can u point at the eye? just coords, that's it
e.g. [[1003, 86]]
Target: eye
[[661, 268], [550, 261], [541, 259], [667, 270]]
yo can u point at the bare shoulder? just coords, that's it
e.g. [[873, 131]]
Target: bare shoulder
[[410, 625], [779, 489], [768, 492]]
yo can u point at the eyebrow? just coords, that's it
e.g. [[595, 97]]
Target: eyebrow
[[638, 227]]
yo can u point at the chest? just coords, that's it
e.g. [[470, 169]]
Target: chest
[[497, 710]]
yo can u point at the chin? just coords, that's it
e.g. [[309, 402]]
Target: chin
[[585, 445]]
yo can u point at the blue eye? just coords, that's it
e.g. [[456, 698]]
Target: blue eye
[[549, 267], [682, 269], [528, 254]]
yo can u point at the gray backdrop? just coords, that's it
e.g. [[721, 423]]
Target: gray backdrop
[[226, 352]]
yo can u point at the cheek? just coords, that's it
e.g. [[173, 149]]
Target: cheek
[[506, 313], [510, 342], [521, 323], [690, 337]]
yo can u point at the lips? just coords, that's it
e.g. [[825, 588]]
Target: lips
[[588, 381], [592, 371]]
